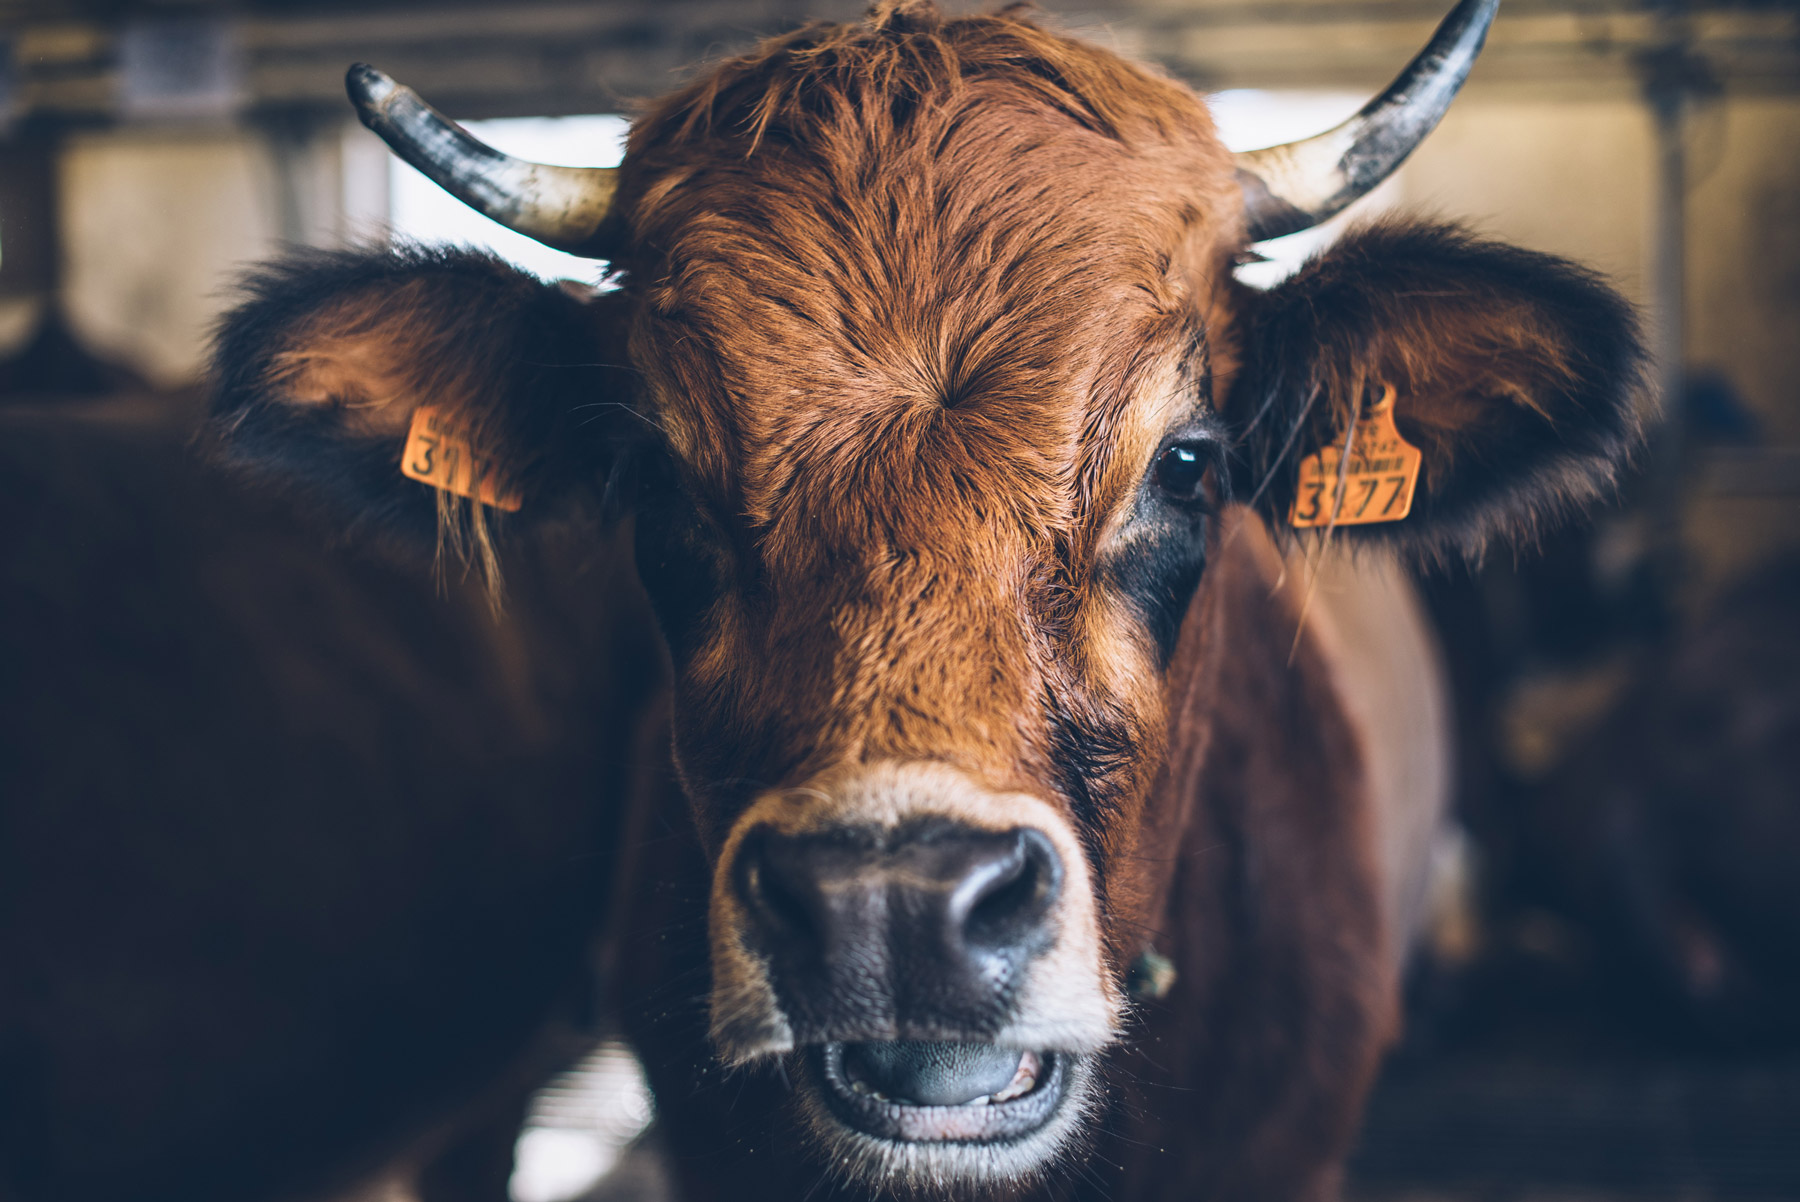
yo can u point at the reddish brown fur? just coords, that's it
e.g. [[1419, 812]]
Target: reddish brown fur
[[374, 356], [897, 338], [1256, 865], [905, 358], [1254, 1068]]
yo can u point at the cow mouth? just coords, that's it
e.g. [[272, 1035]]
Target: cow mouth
[[916, 1092]]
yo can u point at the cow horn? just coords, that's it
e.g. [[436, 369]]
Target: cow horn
[[563, 207], [1295, 186]]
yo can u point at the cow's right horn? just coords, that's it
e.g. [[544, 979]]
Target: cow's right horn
[[563, 207]]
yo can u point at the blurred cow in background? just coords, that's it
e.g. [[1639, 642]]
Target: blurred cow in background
[[1666, 826], [300, 858]]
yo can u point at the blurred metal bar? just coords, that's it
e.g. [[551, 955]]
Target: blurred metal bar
[[29, 241], [1673, 78], [553, 57]]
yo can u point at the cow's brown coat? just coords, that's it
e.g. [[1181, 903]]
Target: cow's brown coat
[[1262, 880], [910, 354]]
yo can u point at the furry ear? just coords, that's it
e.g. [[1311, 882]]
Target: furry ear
[[318, 373], [1517, 375]]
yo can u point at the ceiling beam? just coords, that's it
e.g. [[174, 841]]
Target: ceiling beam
[[557, 57]]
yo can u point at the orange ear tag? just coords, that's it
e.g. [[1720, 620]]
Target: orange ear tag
[[440, 454], [1376, 486]]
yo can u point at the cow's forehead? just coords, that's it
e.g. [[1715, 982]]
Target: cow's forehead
[[934, 319]]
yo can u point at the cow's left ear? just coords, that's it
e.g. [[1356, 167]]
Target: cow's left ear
[[320, 377], [1516, 374]]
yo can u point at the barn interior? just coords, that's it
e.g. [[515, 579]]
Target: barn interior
[[1610, 1011]]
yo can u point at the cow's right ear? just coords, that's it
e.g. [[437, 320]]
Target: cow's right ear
[[318, 374]]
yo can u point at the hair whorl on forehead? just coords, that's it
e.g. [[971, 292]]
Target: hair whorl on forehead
[[904, 52]]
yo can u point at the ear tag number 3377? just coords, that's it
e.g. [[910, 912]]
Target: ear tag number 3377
[[441, 455], [1375, 486]]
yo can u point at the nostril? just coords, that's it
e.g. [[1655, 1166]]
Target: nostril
[[774, 893], [996, 918], [783, 906], [1016, 891]]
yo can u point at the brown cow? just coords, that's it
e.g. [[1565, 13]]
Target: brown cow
[[929, 388], [300, 857]]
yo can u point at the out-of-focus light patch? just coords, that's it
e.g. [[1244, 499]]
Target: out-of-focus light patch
[[553, 1165], [180, 67], [19, 320], [580, 1125], [422, 211], [1249, 119]]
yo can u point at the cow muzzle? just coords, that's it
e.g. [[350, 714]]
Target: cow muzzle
[[922, 932], [929, 949]]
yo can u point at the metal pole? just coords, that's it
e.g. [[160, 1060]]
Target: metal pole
[[1673, 77]]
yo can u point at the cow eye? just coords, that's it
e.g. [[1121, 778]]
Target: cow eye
[[654, 473], [1181, 472]]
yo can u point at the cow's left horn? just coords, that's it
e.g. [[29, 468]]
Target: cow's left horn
[[562, 207], [1292, 187]]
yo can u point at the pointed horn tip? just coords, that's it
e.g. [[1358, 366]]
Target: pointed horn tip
[[562, 207], [367, 86]]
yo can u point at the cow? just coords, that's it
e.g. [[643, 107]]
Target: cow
[[1039, 815], [301, 856], [1665, 831]]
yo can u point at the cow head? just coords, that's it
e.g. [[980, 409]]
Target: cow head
[[926, 381]]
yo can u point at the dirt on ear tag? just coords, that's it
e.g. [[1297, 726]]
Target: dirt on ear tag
[[440, 454], [1375, 486]]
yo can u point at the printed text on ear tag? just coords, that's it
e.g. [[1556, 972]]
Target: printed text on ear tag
[[440, 454], [1375, 486]]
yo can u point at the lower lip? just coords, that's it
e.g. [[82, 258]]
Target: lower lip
[[991, 1122]]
